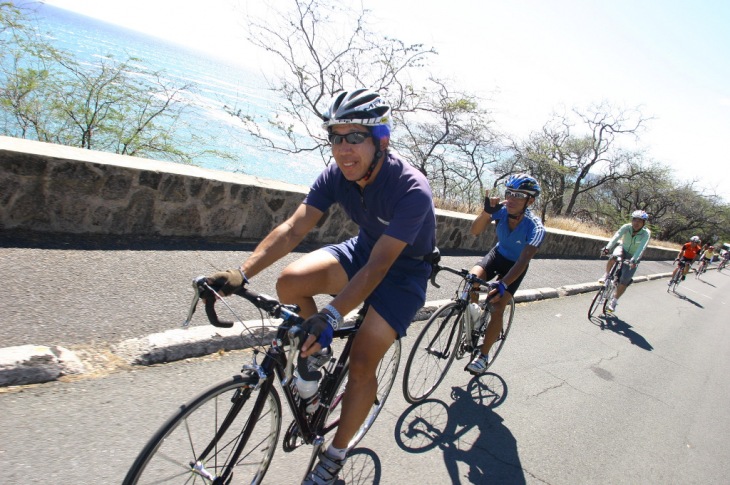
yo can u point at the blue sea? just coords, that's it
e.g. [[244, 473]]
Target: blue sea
[[217, 84]]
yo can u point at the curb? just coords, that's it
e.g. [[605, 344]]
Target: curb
[[35, 364]]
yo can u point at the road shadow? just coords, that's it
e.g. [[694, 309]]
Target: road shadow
[[490, 454], [707, 283], [120, 242], [613, 323], [684, 297]]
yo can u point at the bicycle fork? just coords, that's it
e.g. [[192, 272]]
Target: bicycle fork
[[239, 399], [454, 329]]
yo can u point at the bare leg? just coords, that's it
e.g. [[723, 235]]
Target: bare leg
[[372, 341], [495, 323], [316, 273]]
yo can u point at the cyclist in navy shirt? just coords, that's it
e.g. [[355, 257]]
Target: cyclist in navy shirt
[[519, 233], [383, 265]]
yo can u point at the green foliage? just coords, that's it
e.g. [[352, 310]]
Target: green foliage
[[114, 106]]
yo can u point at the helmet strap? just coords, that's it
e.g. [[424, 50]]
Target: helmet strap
[[373, 164], [518, 216]]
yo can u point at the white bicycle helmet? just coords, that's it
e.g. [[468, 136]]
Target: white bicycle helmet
[[694, 239], [639, 214], [360, 107]]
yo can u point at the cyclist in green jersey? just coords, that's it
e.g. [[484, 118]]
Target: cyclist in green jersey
[[629, 242]]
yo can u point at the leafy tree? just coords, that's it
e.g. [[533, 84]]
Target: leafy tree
[[322, 47], [450, 139], [120, 107], [569, 165]]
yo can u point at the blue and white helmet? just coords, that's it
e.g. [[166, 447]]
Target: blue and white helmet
[[639, 214], [521, 182], [360, 107]]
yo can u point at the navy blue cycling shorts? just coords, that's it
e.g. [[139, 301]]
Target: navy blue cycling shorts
[[401, 293]]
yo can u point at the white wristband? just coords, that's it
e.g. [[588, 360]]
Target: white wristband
[[336, 315]]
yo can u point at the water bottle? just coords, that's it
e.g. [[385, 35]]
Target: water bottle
[[307, 378], [472, 316]]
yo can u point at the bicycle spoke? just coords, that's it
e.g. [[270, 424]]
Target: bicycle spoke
[[208, 422]]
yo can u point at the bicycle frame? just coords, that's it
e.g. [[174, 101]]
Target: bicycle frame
[[677, 275], [462, 297], [276, 363]]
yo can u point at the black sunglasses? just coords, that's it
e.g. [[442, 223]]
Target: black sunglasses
[[354, 138]]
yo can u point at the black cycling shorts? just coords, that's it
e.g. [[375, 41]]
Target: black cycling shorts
[[494, 264]]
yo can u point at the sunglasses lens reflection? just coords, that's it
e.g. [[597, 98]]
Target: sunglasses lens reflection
[[351, 138]]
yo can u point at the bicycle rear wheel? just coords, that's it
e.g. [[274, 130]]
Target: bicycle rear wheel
[[509, 313], [385, 374], [196, 445], [433, 352]]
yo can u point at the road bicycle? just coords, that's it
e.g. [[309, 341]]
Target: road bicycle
[[232, 429], [701, 268], [450, 334], [722, 265], [676, 278], [608, 289]]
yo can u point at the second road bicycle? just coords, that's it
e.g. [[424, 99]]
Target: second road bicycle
[[450, 333]]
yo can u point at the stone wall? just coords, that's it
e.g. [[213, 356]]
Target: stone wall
[[59, 189]]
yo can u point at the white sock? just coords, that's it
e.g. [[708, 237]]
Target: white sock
[[336, 453]]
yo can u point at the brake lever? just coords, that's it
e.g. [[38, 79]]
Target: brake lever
[[196, 297], [434, 271], [294, 342]]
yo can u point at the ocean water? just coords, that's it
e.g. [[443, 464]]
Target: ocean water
[[217, 84]]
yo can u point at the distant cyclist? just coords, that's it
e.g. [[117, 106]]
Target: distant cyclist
[[520, 233], [629, 242], [687, 254], [724, 259], [706, 258]]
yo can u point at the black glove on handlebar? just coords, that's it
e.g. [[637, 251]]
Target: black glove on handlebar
[[227, 282], [319, 325], [489, 208]]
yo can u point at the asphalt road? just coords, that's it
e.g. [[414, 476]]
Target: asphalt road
[[638, 398], [94, 292]]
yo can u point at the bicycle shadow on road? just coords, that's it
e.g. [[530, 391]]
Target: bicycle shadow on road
[[684, 297], [707, 283], [467, 431], [615, 324]]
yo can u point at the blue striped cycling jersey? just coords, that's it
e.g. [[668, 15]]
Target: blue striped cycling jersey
[[529, 231]]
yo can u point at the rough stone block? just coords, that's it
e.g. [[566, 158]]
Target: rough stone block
[[177, 344], [33, 364]]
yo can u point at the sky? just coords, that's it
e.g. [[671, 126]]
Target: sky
[[529, 58]]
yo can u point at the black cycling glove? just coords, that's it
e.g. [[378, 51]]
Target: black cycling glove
[[489, 208], [321, 326], [227, 282]]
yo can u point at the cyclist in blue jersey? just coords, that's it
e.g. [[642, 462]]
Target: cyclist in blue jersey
[[519, 233], [384, 265], [629, 242]]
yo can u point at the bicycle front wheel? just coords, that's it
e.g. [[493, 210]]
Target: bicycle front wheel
[[230, 428], [433, 352], [597, 302], [610, 293], [509, 314]]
